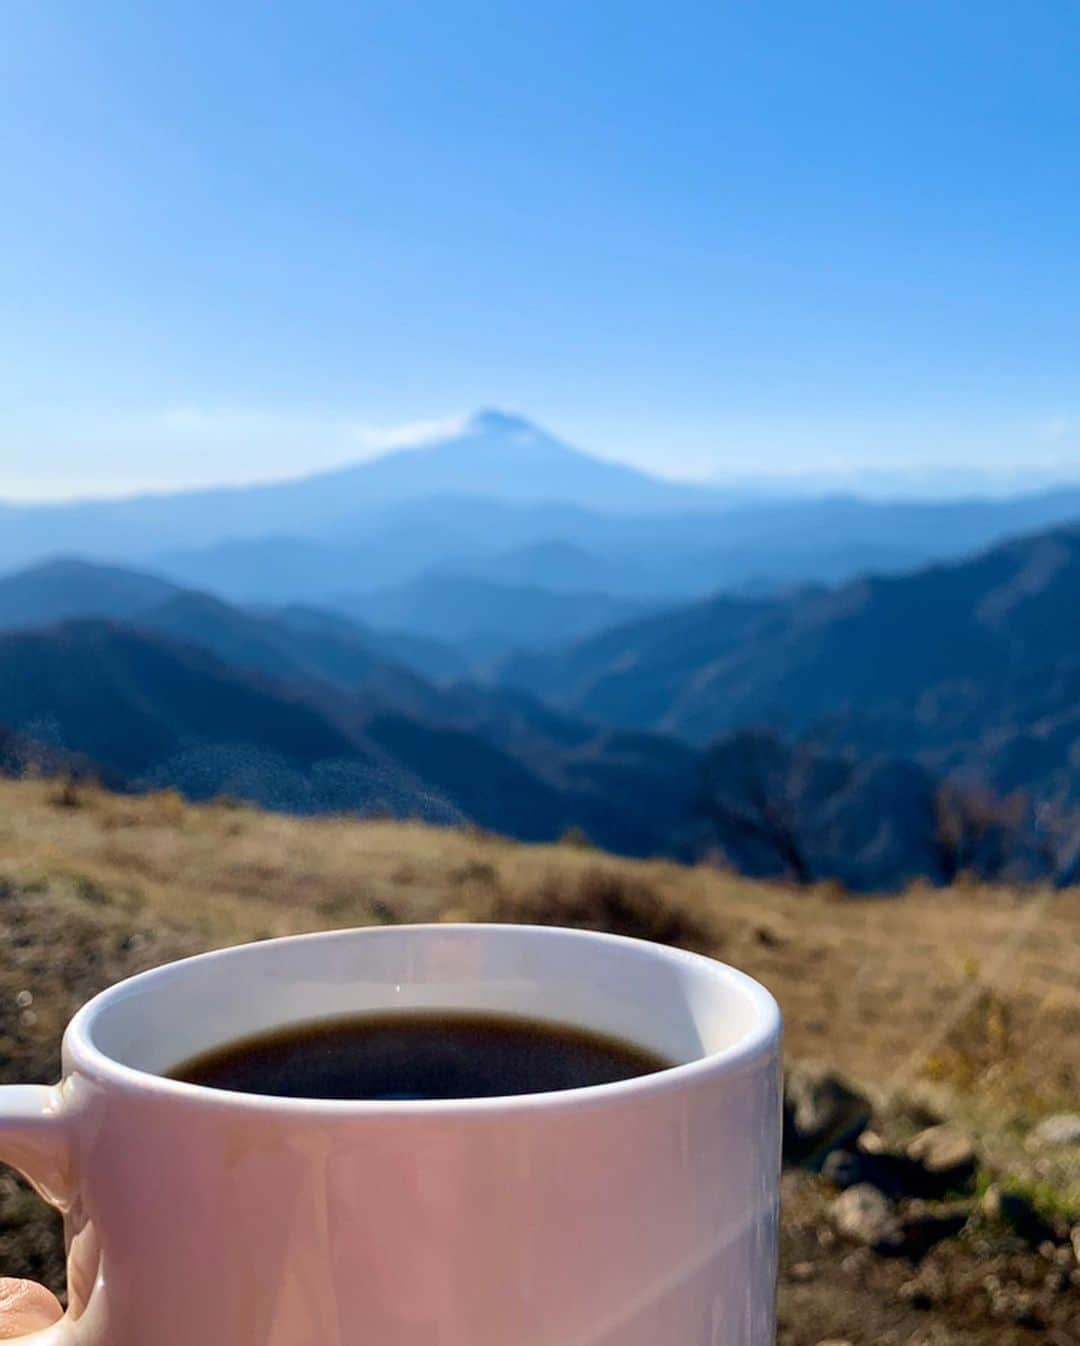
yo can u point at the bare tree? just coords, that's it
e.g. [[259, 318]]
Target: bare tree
[[796, 809], [975, 831], [754, 789]]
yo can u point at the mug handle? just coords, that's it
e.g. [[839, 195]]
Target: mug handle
[[34, 1140]]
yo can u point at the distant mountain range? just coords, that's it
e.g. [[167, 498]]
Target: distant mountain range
[[294, 642], [484, 619], [807, 734], [130, 701], [504, 503], [300, 710], [657, 556], [494, 456], [495, 627], [973, 665]]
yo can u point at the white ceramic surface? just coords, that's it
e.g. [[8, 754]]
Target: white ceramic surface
[[642, 1213]]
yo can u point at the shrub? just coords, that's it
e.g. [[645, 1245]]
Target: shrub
[[602, 898], [66, 794]]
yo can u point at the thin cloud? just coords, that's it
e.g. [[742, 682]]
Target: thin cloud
[[181, 445], [409, 435], [223, 422]]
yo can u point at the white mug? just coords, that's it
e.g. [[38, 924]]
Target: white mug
[[641, 1213]]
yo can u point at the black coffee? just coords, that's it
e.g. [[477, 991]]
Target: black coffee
[[422, 1055]]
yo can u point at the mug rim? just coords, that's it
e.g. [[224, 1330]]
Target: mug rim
[[83, 1057]]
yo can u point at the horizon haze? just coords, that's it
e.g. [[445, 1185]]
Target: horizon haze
[[944, 481]]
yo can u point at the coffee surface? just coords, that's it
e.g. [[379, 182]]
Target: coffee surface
[[422, 1055]]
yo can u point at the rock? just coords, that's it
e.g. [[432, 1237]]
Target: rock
[[1010, 1302], [1026, 1314], [917, 1295], [845, 1168], [892, 1174], [948, 1153], [1063, 1128], [895, 1175], [835, 1341], [990, 1205], [863, 1215], [922, 1113], [802, 1272], [920, 1230], [822, 1113], [1056, 1282], [1074, 1239], [1020, 1215]]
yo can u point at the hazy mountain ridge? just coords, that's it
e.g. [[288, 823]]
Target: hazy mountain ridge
[[161, 702], [494, 454], [297, 711], [128, 699], [635, 731], [505, 502], [484, 619], [430, 658], [290, 642], [659, 556], [947, 661], [68, 587]]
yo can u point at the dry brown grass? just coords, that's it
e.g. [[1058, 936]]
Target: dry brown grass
[[971, 989], [967, 998], [602, 895]]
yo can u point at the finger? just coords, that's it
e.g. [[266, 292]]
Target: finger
[[26, 1307], [82, 1269]]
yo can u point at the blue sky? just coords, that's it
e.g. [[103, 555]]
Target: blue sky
[[246, 240]]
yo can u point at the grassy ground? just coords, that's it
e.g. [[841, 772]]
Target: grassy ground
[[964, 1001]]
